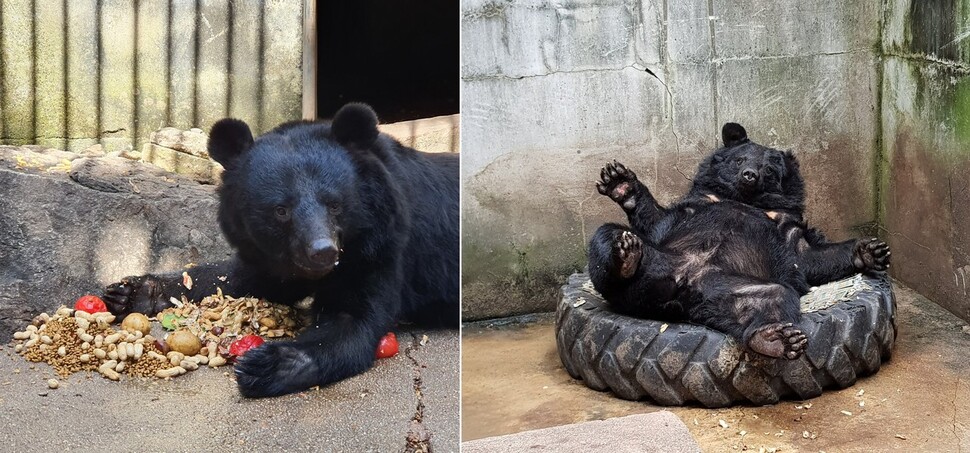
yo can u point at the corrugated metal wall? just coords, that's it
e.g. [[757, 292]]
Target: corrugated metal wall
[[77, 72]]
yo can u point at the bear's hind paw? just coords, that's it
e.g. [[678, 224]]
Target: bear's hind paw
[[781, 341]]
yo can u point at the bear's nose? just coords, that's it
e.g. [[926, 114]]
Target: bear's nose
[[322, 251], [749, 176]]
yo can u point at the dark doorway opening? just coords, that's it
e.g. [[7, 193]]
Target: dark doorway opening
[[399, 56]]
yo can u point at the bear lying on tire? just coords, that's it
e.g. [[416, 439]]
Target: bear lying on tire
[[342, 213], [734, 254]]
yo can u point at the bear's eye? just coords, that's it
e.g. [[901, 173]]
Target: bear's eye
[[769, 172], [282, 213], [739, 160], [334, 207]]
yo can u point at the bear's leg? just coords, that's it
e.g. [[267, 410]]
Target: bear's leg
[[342, 343], [824, 262], [635, 277], [151, 293], [622, 186], [761, 314]]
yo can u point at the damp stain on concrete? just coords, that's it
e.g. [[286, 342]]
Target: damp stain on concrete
[[513, 381]]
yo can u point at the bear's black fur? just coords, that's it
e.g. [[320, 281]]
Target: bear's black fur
[[733, 254], [339, 212]]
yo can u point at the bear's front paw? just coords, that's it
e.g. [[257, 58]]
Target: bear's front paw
[[871, 255], [140, 294], [620, 184], [275, 369]]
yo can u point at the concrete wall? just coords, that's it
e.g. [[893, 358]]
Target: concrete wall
[[79, 72], [925, 181], [552, 90]]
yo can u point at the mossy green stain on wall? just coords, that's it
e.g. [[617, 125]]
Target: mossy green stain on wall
[[961, 114]]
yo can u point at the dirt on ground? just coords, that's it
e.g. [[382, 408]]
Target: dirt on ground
[[409, 400], [512, 381]]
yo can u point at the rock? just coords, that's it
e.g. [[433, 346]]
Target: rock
[[192, 141], [200, 169], [69, 225], [183, 152]]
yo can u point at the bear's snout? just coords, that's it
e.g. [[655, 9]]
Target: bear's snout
[[323, 252], [749, 176]]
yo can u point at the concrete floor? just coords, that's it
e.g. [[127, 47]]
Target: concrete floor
[[512, 381], [202, 411]]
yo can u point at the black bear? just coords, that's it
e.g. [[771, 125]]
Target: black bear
[[733, 254], [340, 212]]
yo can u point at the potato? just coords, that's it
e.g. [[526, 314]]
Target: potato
[[137, 322], [184, 341]]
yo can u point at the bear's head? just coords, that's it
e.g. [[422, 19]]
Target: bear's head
[[295, 199], [750, 173]]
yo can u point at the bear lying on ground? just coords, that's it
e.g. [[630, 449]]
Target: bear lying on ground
[[339, 212], [733, 254]]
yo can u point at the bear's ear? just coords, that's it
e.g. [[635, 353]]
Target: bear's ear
[[228, 139], [355, 124], [791, 164], [733, 134]]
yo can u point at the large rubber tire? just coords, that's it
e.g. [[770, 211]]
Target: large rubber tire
[[676, 364]]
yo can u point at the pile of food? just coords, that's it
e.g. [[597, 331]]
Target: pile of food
[[212, 333]]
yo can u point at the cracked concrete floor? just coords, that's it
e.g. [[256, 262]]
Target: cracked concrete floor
[[513, 381], [202, 410]]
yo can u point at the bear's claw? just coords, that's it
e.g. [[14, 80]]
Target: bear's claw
[[619, 183], [627, 251], [141, 294], [871, 255]]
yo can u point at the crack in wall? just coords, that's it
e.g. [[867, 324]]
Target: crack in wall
[[418, 439], [481, 77], [962, 68]]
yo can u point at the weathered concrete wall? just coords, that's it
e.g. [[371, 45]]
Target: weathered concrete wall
[[925, 182], [77, 73], [552, 90]]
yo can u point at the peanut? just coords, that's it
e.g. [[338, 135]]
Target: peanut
[[120, 367], [84, 358], [113, 355], [189, 365], [81, 314], [216, 361], [138, 350], [122, 351], [99, 353], [110, 374], [85, 337], [99, 340], [52, 384], [46, 340], [169, 372], [62, 351], [64, 312], [175, 357], [18, 348], [106, 316], [21, 335], [111, 339]]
